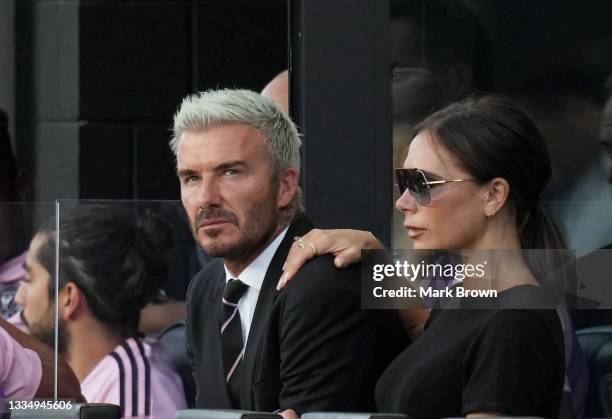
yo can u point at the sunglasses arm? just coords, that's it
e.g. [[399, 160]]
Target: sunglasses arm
[[440, 182]]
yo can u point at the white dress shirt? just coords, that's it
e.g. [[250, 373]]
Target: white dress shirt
[[253, 276]]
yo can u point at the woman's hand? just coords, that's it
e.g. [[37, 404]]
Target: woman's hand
[[344, 244]]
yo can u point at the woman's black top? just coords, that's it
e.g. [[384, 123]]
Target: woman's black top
[[508, 361]]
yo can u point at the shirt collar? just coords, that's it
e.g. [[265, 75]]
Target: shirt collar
[[254, 274]]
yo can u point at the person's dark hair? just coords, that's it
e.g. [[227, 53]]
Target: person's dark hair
[[117, 260], [490, 136]]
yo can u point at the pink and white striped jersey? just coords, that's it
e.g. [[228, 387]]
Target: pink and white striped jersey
[[20, 369], [138, 376]]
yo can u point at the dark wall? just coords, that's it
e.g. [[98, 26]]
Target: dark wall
[[341, 102], [98, 83]]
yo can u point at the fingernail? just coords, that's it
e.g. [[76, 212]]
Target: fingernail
[[280, 282], [339, 262], [284, 265]]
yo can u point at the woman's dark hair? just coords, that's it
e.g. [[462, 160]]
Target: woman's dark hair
[[490, 136], [117, 260]]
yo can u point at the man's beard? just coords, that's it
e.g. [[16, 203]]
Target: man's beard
[[44, 330], [260, 224]]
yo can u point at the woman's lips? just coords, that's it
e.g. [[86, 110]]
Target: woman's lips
[[414, 231]]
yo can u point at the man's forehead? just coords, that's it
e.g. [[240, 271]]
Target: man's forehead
[[219, 140], [35, 245]]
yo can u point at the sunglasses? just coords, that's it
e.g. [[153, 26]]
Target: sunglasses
[[418, 185]]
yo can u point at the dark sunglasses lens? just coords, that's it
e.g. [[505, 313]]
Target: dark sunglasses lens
[[415, 182], [419, 187], [401, 177]]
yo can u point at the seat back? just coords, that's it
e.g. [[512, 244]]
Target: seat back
[[596, 343]]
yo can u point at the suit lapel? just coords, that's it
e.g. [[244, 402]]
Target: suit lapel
[[266, 298]]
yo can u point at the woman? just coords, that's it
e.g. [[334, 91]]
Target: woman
[[471, 180]]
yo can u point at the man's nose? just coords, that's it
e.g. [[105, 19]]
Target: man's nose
[[208, 194]]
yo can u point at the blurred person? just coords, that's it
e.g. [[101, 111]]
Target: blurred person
[[252, 347], [278, 90], [577, 193], [111, 265], [472, 180], [446, 39], [551, 73], [13, 243], [593, 274], [27, 369]]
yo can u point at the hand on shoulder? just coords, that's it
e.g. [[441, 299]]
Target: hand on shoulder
[[344, 244]]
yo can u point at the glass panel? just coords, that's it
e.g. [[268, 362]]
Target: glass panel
[[124, 267], [554, 61]]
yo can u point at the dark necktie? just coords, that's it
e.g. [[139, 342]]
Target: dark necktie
[[232, 346]]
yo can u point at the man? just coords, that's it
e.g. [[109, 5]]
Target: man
[[308, 347], [110, 266]]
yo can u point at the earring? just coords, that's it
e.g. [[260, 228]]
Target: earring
[[488, 214]]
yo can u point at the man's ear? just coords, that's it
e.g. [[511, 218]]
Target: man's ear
[[71, 301], [288, 187], [496, 195]]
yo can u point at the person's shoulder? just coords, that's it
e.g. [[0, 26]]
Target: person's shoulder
[[204, 279], [102, 384], [214, 267], [319, 278], [524, 325]]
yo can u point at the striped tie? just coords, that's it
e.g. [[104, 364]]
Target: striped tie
[[231, 337]]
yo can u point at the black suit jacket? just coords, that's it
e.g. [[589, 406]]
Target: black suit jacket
[[310, 346]]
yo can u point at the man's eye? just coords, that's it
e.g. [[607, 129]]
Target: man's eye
[[190, 179], [231, 172]]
